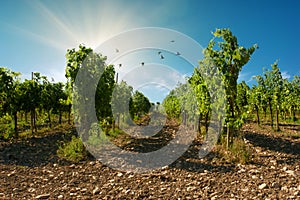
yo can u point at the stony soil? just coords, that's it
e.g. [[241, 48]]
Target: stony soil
[[30, 169]]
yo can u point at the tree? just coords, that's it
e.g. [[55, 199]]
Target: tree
[[139, 105], [255, 99], [9, 95], [93, 65], [272, 85], [291, 95], [202, 97], [120, 101], [171, 105], [30, 93], [229, 58]]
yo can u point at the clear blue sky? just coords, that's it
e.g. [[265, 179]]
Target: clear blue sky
[[34, 35]]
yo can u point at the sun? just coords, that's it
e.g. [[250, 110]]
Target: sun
[[66, 25]]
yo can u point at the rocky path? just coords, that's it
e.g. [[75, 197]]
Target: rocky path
[[31, 170]]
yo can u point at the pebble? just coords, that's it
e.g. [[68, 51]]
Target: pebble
[[119, 174], [284, 168], [43, 196], [262, 186], [96, 191], [275, 185], [31, 190], [284, 188], [290, 172]]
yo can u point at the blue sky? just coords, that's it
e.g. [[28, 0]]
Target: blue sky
[[34, 35]]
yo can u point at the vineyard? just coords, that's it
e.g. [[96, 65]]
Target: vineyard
[[256, 155]]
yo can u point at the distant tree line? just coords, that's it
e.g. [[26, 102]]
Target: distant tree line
[[37, 98]]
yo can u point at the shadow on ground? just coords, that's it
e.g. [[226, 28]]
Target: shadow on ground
[[34, 151], [277, 144]]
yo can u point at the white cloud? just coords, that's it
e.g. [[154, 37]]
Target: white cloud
[[285, 75], [245, 76]]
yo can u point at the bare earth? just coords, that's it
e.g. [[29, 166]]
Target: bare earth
[[30, 169]]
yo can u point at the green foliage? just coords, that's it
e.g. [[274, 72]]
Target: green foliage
[[120, 102], [229, 57], [6, 127], [271, 84], [94, 66], [96, 135], [73, 150], [138, 105], [171, 105], [241, 153], [238, 152], [9, 95]]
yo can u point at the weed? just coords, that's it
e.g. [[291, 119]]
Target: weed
[[73, 150]]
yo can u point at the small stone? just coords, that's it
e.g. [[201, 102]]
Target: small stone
[[119, 174], [254, 177], [43, 196], [31, 190], [284, 168], [130, 176], [91, 163], [262, 186], [276, 185], [214, 198], [290, 172], [273, 161], [72, 166], [96, 191], [165, 167], [284, 188], [190, 188]]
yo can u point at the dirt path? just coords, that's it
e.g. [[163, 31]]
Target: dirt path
[[31, 170]]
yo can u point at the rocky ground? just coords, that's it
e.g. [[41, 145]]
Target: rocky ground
[[30, 169]]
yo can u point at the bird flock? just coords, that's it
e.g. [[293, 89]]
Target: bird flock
[[160, 54]]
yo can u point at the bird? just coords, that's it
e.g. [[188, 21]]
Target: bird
[[159, 52], [172, 41], [161, 56], [178, 54], [142, 63], [117, 51], [120, 65]]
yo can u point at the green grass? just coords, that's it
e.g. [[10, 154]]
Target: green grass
[[73, 150], [238, 152]]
